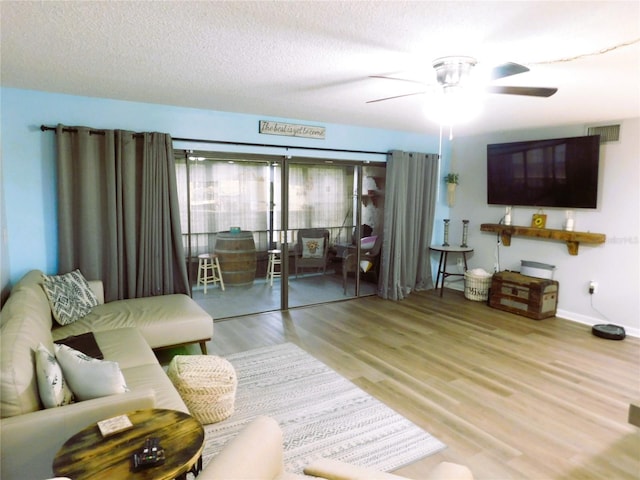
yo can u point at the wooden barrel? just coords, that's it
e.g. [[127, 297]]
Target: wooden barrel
[[237, 256]]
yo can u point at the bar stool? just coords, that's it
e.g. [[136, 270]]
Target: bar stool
[[274, 259], [209, 270]]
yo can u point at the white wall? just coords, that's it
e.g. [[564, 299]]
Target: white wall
[[615, 265]]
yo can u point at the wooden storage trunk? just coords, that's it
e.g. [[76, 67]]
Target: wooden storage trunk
[[532, 297]]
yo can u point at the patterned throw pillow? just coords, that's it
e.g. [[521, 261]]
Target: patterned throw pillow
[[88, 377], [70, 296], [312, 247], [52, 388]]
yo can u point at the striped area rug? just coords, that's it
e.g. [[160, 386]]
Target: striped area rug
[[321, 413]]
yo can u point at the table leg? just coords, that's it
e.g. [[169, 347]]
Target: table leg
[[439, 270], [197, 468], [464, 257], [444, 272]]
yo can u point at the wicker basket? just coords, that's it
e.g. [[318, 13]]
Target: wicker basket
[[476, 287], [207, 384]]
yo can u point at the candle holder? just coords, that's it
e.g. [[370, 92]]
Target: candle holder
[[465, 233], [446, 233]]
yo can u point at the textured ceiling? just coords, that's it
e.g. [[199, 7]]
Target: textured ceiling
[[312, 60]]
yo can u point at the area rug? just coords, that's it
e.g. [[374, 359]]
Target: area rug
[[321, 413]]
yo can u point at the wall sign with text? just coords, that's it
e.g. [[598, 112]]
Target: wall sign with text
[[292, 130]]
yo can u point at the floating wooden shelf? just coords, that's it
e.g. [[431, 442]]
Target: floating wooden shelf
[[572, 239]]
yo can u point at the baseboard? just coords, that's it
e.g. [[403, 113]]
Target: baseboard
[[458, 284], [587, 320]]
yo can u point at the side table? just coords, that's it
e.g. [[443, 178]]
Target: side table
[[89, 455], [442, 265]]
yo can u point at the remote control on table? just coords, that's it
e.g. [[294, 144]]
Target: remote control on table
[[150, 455]]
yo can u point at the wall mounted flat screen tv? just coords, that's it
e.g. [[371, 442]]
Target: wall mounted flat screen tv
[[559, 172]]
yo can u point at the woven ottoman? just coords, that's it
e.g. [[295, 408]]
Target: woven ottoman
[[207, 384]]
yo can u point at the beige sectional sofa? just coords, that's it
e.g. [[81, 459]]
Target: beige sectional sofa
[[125, 331]]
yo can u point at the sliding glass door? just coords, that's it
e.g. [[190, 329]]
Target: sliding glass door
[[302, 215], [321, 213]]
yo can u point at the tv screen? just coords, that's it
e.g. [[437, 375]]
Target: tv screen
[[560, 172]]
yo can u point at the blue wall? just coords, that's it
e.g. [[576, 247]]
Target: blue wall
[[28, 155]]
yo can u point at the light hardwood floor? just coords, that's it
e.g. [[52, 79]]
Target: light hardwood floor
[[512, 398]]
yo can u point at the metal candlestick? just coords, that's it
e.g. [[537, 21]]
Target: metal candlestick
[[465, 233], [446, 233]]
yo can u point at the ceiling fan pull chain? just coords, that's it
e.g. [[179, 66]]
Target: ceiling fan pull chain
[[440, 145]]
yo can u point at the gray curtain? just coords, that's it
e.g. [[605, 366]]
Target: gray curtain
[[409, 211], [118, 214]]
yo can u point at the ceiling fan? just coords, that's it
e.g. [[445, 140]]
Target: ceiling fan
[[455, 73]]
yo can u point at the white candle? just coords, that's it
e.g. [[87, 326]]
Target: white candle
[[569, 221], [569, 225]]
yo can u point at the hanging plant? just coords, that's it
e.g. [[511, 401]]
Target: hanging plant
[[452, 178], [452, 181]]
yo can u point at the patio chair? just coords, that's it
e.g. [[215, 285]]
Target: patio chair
[[311, 249], [369, 259]]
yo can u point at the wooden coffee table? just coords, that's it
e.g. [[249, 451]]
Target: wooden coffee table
[[89, 455]]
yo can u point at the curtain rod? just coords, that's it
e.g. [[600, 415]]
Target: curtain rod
[[92, 131], [271, 145], [45, 128], [243, 144]]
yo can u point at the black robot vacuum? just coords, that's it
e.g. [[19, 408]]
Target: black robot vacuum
[[608, 331]]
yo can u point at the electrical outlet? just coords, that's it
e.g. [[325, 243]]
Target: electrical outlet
[[593, 287], [460, 263]]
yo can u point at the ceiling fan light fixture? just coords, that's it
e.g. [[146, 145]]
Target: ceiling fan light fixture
[[453, 71]]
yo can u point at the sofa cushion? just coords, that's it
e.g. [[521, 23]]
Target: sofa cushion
[[25, 322], [52, 387], [155, 378], [69, 295], [125, 346], [139, 365]]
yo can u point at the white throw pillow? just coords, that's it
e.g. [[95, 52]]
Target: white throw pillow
[[70, 296], [52, 388], [312, 247], [89, 377]]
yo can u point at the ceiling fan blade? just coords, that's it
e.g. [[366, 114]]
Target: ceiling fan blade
[[396, 78], [507, 69], [397, 96], [526, 91]]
